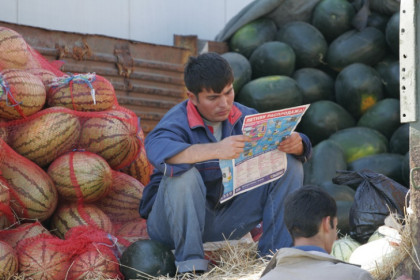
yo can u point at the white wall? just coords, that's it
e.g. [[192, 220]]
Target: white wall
[[152, 21]]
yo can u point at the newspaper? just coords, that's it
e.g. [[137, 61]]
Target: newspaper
[[261, 162]]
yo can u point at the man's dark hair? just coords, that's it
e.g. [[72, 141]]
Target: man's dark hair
[[305, 208], [208, 71]]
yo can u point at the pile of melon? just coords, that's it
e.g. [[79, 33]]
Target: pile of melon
[[72, 170], [346, 67]]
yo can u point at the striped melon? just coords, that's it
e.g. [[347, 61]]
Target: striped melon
[[122, 202], [96, 263], [21, 94], [112, 135], [3, 130], [14, 52], [43, 258], [46, 135], [82, 92], [140, 168], [70, 215], [46, 76], [6, 216], [8, 261], [344, 247], [81, 176], [132, 231], [32, 192], [21, 232]]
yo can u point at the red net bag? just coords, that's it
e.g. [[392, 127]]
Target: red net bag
[[82, 92], [70, 215], [132, 231], [32, 192], [14, 51], [21, 94], [97, 255], [44, 257], [112, 135], [21, 232], [81, 176], [45, 135], [8, 261], [7, 218], [122, 202]]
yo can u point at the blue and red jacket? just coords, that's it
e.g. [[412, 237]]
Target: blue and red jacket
[[181, 127]]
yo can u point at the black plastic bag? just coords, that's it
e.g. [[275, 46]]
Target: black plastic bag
[[376, 197]]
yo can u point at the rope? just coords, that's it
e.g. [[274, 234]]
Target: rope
[[88, 79], [9, 95]]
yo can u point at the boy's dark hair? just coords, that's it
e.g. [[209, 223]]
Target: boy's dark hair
[[305, 208], [208, 71]]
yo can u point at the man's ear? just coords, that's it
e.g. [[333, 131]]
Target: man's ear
[[192, 97], [327, 223]]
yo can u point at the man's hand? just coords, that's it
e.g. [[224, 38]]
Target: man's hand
[[292, 145], [231, 147]]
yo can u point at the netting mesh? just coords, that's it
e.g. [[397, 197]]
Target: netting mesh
[[72, 167]]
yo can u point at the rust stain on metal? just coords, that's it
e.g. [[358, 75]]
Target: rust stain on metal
[[81, 52], [125, 62]]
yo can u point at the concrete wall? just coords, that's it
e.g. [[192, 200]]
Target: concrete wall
[[152, 21]]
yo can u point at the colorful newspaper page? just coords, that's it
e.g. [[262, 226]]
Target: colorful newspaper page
[[261, 162]]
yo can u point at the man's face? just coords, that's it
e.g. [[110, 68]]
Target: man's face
[[212, 106]]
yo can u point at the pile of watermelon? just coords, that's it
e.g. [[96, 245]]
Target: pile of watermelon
[[344, 62], [72, 170]]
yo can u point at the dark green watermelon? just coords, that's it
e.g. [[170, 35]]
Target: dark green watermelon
[[400, 139], [389, 70], [241, 68], [315, 84], [307, 42], [250, 36], [272, 58], [405, 170], [323, 118], [378, 21], [392, 33], [270, 93], [367, 46], [358, 142], [145, 259], [327, 158], [387, 164], [333, 17], [358, 87], [384, 116]]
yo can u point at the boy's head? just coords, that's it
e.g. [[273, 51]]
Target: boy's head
[[207, 72], [306, 209]]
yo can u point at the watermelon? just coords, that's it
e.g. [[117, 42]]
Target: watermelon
[[145, 259], [270, 93], [241, 68], [387, 164], [247, 38], [314, 84], [323, 118], [333, 17], [358, 87], [8, 261], [344, 247], [384, 116], [392, 33], [338, 192], [357, 142], [378, 21], [14, 52], [389, 71], [399, 142], [326, 159], [367, 46], [272, 58], [307, 42]]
